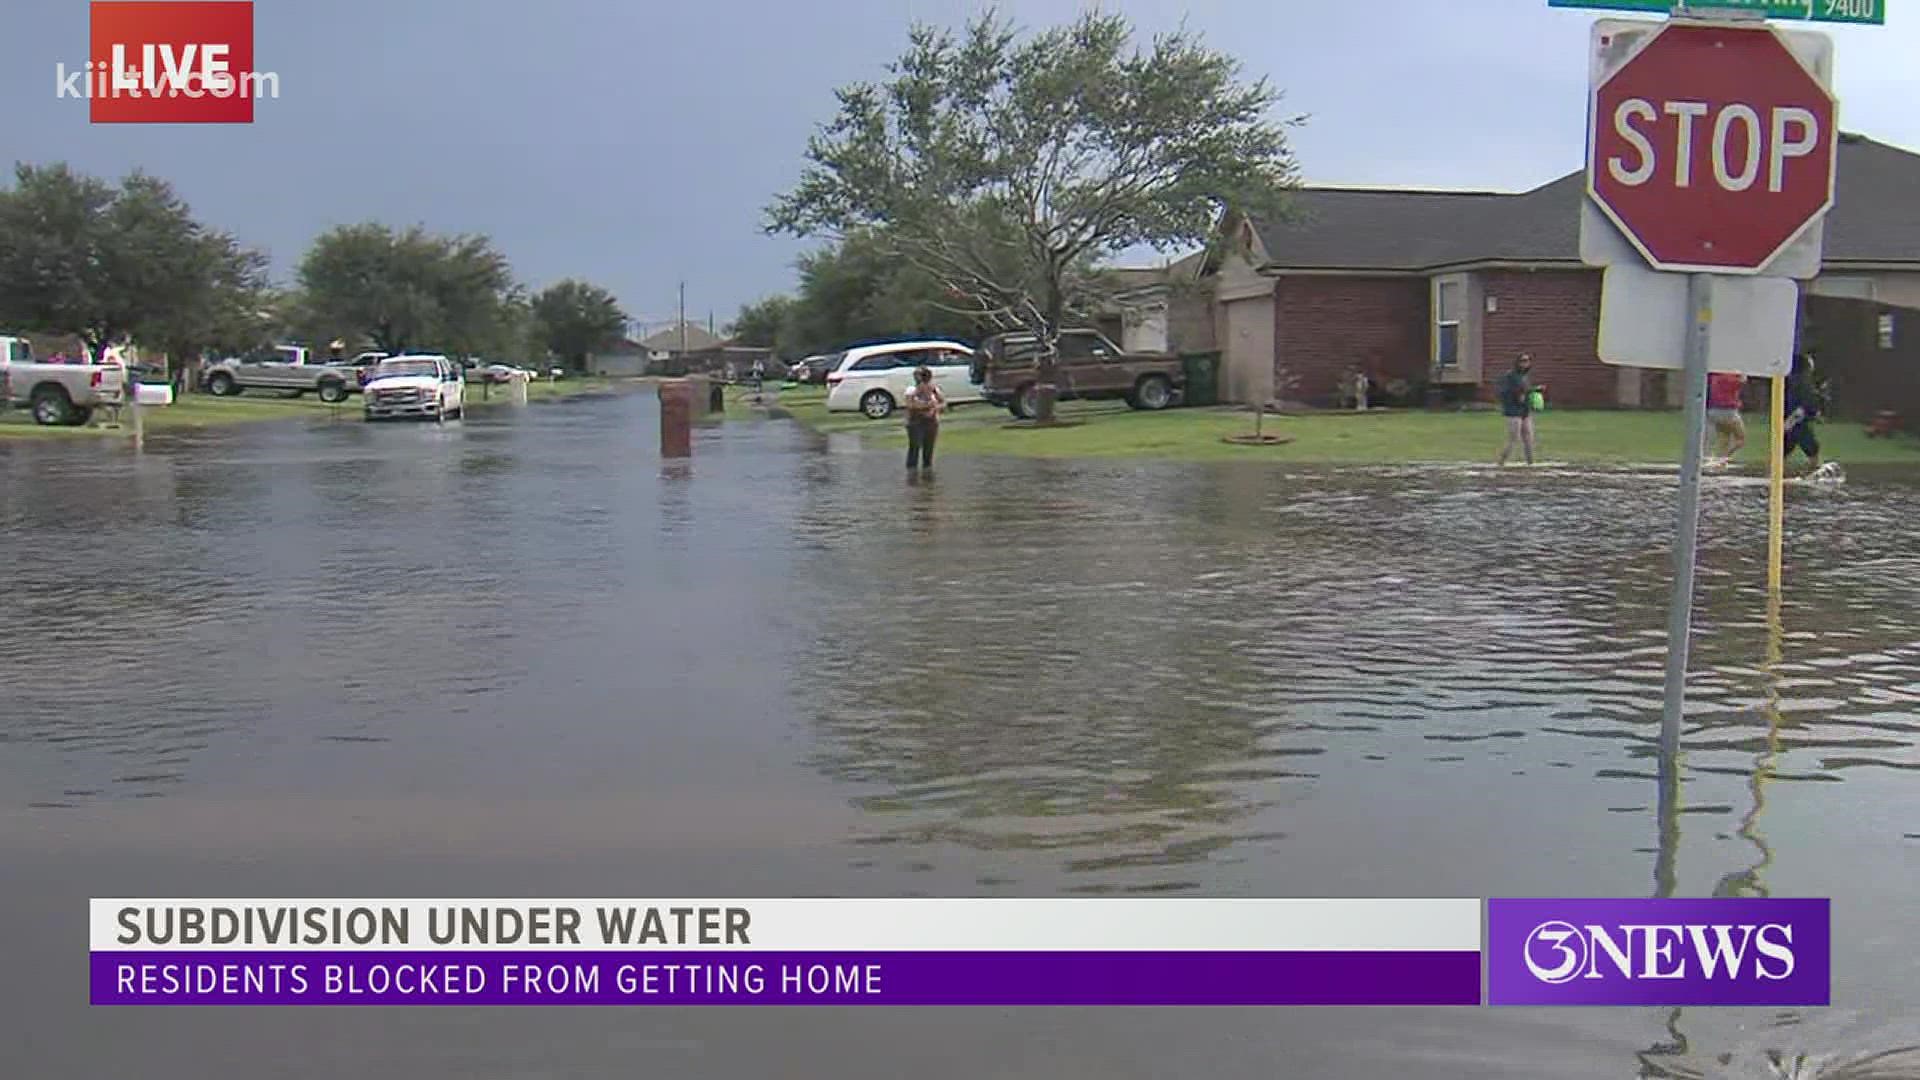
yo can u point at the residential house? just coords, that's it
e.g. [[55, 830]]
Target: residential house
[[1161, 309], [1440, 290], [623, 357], [681, 338]]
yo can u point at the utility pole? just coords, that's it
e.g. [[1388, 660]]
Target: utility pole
[[683, 320]]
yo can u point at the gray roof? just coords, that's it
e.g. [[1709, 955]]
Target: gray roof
[[698, 338], [1133, 278], [1876, 218]]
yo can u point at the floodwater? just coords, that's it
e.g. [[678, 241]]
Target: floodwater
[[523, 656]]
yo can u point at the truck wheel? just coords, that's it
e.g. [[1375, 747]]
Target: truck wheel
[[221, 384], [1026, 402], [51, 406], [1152, 393], [877, 404], [80, 415], [333, 392]]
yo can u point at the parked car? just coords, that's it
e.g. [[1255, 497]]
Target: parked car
[[361, 364], [1089, 367], [499, 373], [58, 393], [421, 386], [815, 369], [285, 368], [874, 379]]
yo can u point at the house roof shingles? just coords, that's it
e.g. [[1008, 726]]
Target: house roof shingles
[[668, 340], [1875, 218]]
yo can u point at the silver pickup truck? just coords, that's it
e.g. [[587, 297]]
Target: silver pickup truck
[[285, 368], [57, 393]]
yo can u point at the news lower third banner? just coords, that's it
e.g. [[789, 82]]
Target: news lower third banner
[[1079, 952], [786, 952]]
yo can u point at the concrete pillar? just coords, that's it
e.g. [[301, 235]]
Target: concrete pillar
[[676, 418], [517, 389]]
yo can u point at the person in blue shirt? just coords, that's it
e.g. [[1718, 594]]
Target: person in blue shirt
[[1802, 408]]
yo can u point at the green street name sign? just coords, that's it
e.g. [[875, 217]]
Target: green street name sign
[[1873, 12]]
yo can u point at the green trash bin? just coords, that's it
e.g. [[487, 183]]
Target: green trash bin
[[1203, 378]]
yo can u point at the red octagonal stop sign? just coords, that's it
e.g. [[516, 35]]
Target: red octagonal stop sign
[[1713, 148]]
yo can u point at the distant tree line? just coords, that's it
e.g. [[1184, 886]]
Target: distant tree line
[[112, 263], [851, 290]]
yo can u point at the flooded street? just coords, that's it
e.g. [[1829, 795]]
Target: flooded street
[[521, 655]]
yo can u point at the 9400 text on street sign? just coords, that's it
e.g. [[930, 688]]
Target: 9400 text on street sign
[[1867, 12]]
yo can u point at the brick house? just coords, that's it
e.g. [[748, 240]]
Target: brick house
[[1438, 291]]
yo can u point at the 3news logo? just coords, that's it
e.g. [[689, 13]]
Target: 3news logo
[[1659, 952], [168, 62]]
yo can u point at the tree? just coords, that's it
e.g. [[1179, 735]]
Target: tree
[[1007, 168], [79, 256], [233, 309], [858, 289], [764, 323], [574, 318], [403, 290]]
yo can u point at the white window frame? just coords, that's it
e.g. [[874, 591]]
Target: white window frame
[[1441, 284]]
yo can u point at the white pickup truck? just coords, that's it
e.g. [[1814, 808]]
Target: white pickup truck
[[285, 367], [57, 393]]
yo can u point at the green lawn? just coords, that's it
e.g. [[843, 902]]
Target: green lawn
[[197, 411], [1110, 430]]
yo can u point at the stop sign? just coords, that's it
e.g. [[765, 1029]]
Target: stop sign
[[1712, 148]]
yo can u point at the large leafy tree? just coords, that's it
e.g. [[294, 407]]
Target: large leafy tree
[[856, 288], [1005, 167], [764, 322], [112, 262], [574, 318], [406, 289], [233, 310]]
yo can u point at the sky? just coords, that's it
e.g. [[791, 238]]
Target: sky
[[635, 144]]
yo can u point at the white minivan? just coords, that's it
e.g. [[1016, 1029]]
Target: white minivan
[[874, 379]]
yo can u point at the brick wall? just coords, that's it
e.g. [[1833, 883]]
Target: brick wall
[[1554, 315], [1865, 378], [1324, 325]]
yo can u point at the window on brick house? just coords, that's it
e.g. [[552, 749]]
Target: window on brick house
[[1449, 300]]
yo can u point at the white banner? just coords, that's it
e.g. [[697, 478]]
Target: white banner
[[1095, 924]]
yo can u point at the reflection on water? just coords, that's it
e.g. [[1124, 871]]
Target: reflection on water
[[527, 634]]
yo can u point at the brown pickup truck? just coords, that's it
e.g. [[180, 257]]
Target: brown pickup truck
[[1006, 369]]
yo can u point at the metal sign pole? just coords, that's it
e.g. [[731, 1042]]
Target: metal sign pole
[[1776, 486], [1687, 540]]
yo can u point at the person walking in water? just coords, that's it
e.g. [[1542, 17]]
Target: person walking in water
[[924, 404], [1724, 393], [1801, 410], [1516, 403]]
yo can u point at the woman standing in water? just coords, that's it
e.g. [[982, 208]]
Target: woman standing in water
[[1516, 403], [924, 403]]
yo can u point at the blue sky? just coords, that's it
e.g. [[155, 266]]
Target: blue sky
[[634, 144]]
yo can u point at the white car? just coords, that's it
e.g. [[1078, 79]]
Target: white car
[[874, 379], [427, 387]]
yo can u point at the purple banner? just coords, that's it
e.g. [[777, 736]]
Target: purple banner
[[785, 978], [1675, 952]]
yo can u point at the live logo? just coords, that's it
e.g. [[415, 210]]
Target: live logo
[[165, 62]]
